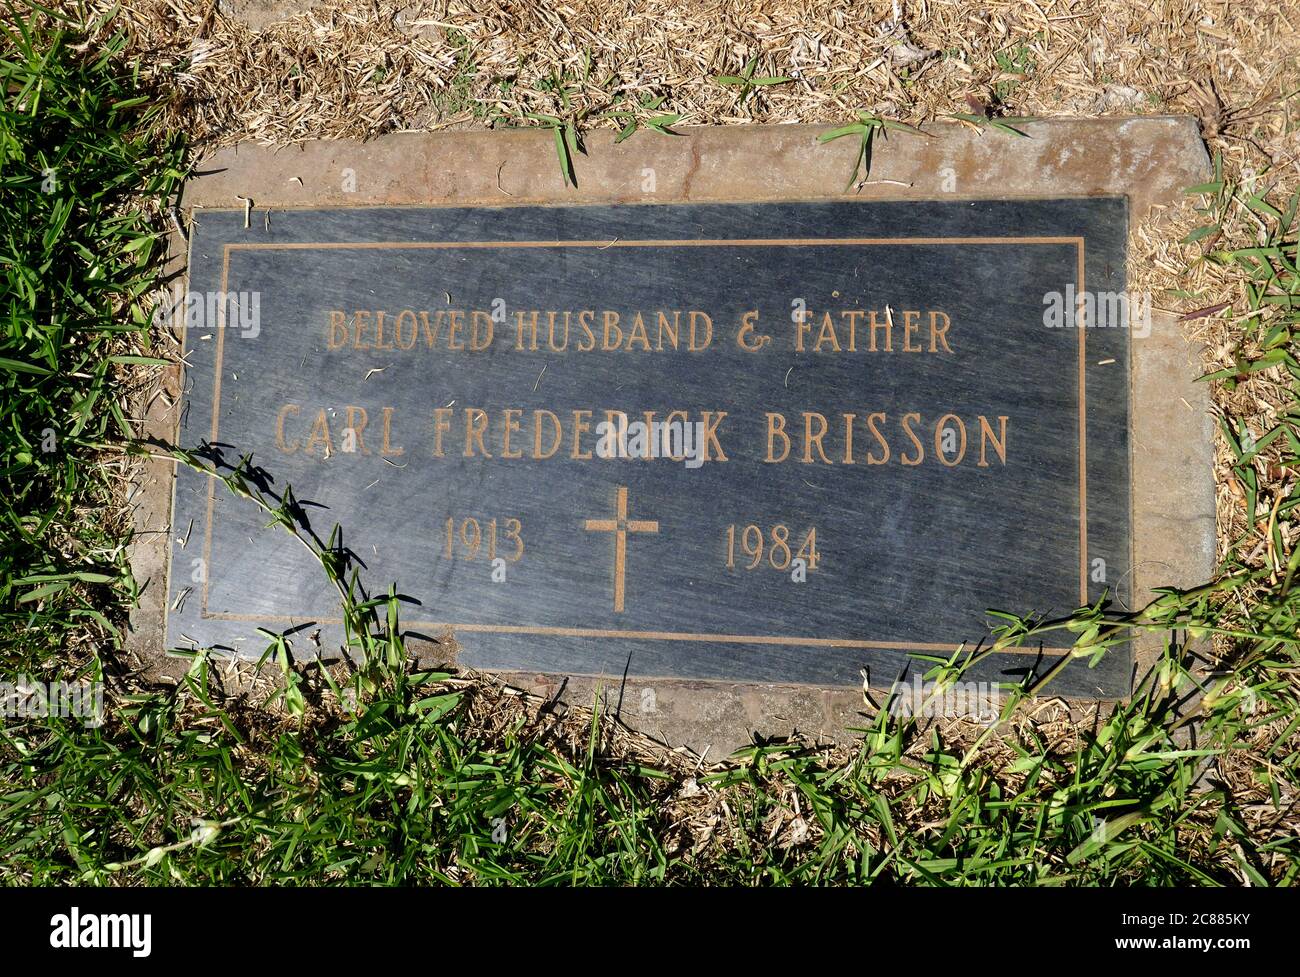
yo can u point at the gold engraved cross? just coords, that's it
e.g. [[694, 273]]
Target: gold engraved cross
[[620, 527]]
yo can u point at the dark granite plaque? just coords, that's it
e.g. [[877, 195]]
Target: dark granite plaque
[[872, 436]]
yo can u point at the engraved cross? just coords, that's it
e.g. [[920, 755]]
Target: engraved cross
[[620, 526]]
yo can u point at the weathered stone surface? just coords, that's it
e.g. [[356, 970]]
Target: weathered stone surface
[[1148, 159], [261, 14]]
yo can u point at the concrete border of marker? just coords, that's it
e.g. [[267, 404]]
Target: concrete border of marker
[[1149, 158]]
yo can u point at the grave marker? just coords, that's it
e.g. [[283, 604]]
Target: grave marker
[[772, 442], [1007, 238]]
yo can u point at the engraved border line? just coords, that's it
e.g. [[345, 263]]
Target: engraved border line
[[793, 640]]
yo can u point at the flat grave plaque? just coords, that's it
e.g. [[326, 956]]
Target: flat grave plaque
[[755, 442]]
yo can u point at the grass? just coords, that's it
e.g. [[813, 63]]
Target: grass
[[76, 262], [748, 83], [631, 113], [458, 99], [865, 130], [631, 122], [379, 771], [1015, 61]]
